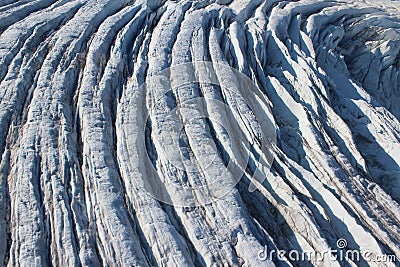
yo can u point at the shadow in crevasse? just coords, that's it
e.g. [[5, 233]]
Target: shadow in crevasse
[[280, 234], [290, 141], [262, 210], [372, 70], [287, 122], [176, 221], [272, 220], [382, 168], [332, 235]]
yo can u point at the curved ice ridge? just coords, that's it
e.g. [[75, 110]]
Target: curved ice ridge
[[73, 171]]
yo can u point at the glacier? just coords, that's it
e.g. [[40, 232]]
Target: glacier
[[199, 133]]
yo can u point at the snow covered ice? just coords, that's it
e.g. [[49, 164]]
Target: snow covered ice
[[199, 133]]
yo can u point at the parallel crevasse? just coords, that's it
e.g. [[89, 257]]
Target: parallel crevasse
[[73, 115]]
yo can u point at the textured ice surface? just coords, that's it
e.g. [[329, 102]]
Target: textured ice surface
[[81, 141]]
